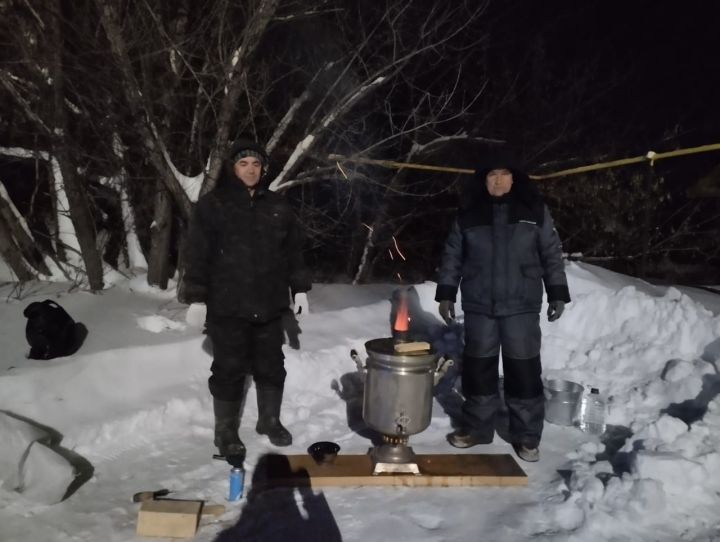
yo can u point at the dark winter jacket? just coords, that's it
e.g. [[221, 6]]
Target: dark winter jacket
[[243, 253], [500, 251]]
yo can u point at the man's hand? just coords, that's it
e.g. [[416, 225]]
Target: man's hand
[[300, 304], [196, 315], [555, 310], [447, 311]]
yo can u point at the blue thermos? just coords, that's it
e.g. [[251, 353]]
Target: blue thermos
[[237, 483]]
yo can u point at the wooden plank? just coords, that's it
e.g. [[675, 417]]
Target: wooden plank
[[169, 518], [418, 346], [436, 470], [213, 509]]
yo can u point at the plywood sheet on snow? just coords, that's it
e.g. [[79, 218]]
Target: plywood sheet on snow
[[436, 470]]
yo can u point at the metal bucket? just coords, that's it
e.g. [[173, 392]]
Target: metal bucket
[[562, 401], [398, 389]]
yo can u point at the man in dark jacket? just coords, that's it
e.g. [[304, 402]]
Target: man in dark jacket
[[501, 249], [243, 260]]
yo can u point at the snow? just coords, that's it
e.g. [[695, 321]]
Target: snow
[[300, 149], [191, 185], [461, 136], [136, 258], [66, 229], [21, 152], [130, 411]]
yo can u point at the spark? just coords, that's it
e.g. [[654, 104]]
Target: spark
[[368, 227], [399, 276], [391, 254], [398, 248], [342, 171]]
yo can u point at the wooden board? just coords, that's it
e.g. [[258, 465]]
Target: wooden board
[[436, 470], [418, 346], [213, 509], [169, 518]]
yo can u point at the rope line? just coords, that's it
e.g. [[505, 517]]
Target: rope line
[[650, 157]]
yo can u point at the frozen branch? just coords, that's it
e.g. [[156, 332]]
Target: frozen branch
[[293, 109], [5, 79]]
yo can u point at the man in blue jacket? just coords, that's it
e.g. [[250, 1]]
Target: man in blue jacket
[[244, 257], [501, 249]]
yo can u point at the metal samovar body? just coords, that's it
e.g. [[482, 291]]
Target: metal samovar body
[[397, 399]]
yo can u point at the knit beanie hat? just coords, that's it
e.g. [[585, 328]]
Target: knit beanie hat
[[249, 153]]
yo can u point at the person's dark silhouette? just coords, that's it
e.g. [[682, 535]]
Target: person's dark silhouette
[[274, 512]]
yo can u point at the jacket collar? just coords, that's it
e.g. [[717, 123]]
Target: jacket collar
[[238, 189]]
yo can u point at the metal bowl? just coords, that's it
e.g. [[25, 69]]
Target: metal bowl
[[324, 453]]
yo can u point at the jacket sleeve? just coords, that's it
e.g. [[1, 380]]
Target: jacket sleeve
[[450, 271], [197, 254], [299, 276], [550, 249]]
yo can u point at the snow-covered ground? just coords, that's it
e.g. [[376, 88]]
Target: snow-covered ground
[[130, 411]]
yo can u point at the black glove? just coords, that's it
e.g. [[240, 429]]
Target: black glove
[[555, 310], [447, 311]]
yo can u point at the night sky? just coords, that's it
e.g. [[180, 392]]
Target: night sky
[[567, 83], [657, 61]]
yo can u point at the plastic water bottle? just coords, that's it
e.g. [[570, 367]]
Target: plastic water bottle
[[237, 484], [592, 413]]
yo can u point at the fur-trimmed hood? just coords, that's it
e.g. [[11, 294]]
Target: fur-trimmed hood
[[474, 188], [524, 199]]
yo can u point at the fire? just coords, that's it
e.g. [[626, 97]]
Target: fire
[[402, 317]]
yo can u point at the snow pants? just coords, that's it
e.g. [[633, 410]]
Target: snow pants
[[518, 337], [242, 348]]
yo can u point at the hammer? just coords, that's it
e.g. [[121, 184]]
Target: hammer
[[150, 495]]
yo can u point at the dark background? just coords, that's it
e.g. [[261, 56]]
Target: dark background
[[564, 83]]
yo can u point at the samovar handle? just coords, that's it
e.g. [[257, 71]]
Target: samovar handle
[[443, 365], [359, 363]]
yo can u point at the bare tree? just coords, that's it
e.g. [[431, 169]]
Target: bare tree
[[9, 249], [80, 213], [150, 94], [17, 244], [42, 47]]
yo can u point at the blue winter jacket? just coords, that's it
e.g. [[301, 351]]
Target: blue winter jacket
[[499, 253]]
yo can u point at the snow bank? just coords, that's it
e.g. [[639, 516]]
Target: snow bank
[[650, 352], [28, 463], [134, 402]]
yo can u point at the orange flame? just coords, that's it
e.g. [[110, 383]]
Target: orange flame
[[402, 317]]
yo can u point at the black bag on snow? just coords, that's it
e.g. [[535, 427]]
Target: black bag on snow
[[50, 330]]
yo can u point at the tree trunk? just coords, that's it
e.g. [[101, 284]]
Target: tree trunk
[[135, 256], [80, 213], [13, 229], [140, 114], [12, 254], [251, 38], [161, 230], [365, 259]]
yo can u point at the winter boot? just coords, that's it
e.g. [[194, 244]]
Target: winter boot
[[478, 421], [227, 422], [269, 400], [529, 453], [464, 437]]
